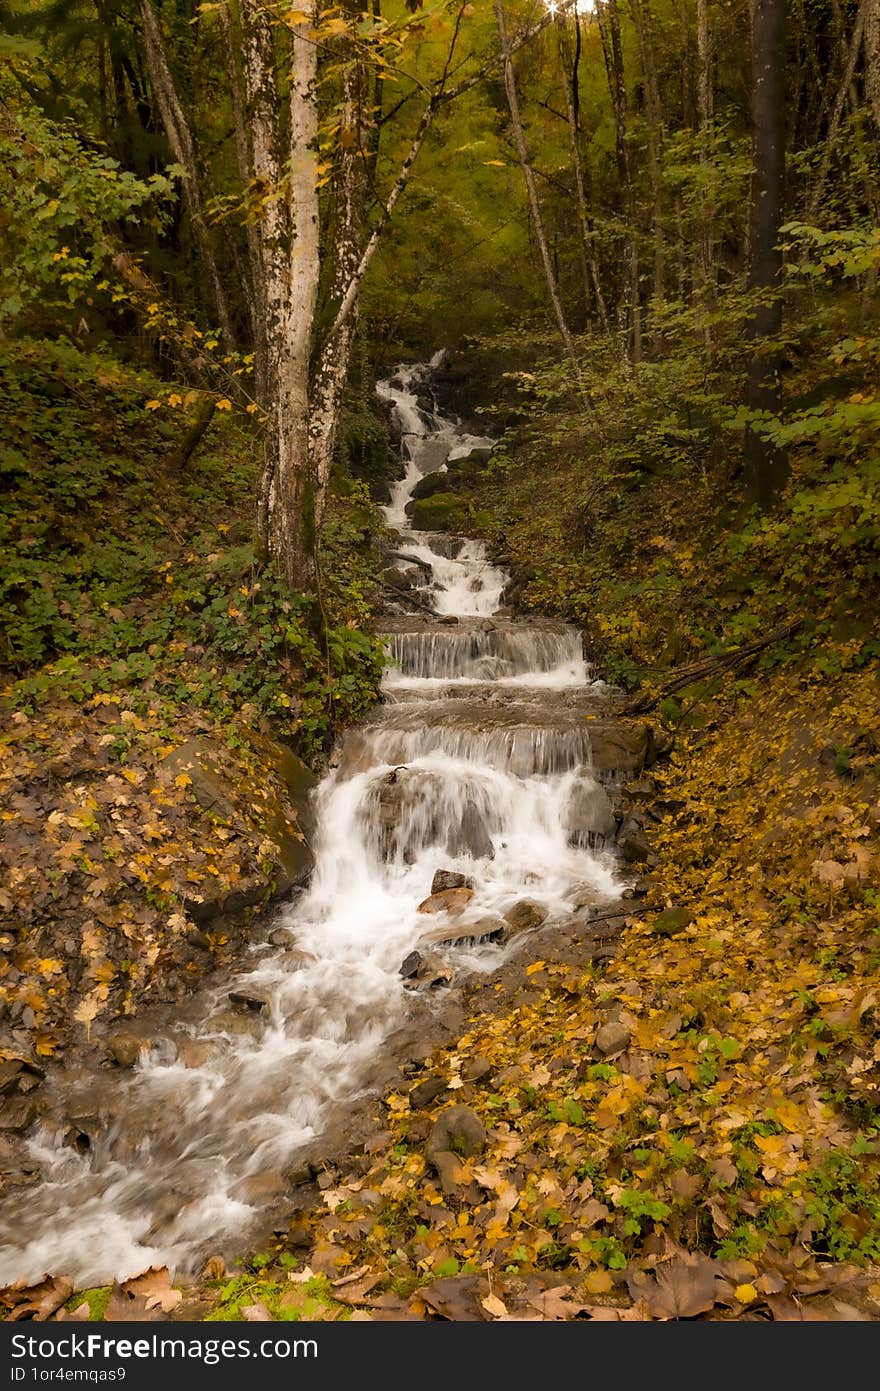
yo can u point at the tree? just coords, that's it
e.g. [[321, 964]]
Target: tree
[[766, 464]]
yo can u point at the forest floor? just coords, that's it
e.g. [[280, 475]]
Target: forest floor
[[151, 669], [689, 1129], [716, 1151]]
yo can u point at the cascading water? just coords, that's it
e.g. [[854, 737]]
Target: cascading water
[[472, 763]]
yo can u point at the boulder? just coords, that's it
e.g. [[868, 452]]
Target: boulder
[[426, 1092], [471, 837], [430, 484], [17, 1114], [457, 1130], [452, 901], [449, 879], [618, 749], [524, 916], [125, 1048], [253, 1001], [256, 1188], [590, 816], [410, 965], [612, 1038], [432, 973], [632, 842], [442, 512], [471, 933], [281, 937], [671, 921], [230, 1021]]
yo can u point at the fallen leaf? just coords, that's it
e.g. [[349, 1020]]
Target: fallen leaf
[[680, 1288]]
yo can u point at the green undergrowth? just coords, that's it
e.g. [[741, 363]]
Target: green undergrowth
[[121, 574]]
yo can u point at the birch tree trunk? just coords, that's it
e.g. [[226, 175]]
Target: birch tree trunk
[[291, 494], [180, 138]]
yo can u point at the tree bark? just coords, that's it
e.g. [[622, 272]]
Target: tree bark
[[182, 142], [608, 16], [519, 141], [831, 139], [291, 492], [872, 59], [705, 117], [767, 466], [654, 124], [592, 278]]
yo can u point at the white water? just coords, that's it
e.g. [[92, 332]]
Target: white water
[[487, 717]]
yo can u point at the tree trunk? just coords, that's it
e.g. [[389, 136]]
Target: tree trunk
[[180, 138], [519, 141], [291, 490], [872, 59], [705, 116], [831, 139], [767, 466], [609, 29], [654, 123], [592, 278]]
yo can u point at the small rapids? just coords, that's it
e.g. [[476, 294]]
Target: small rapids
[[473, 763]]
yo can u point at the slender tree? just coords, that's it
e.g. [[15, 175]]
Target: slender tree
[[767, 466]]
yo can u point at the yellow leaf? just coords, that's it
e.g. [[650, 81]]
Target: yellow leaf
[[598, 1282], [535, 966], [746, 1293], [183, 780], [153, 405], [224, 405], [252, 408], [174, 399], [495, 163]]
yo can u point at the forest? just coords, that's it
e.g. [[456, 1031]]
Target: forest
[[439, 706]]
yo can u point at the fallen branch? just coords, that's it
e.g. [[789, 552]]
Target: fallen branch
[[709, 666]]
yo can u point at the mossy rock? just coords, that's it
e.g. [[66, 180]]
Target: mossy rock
[[442, 512], [672, 921]]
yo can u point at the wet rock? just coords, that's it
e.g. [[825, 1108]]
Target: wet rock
[[193, 1053], [246, 999], [410, 964], [432, 974], [637, 889], [671, 921], [425, 1092], [230, 1021], [618, 748], [198, 939], [256, 1188], [457, 1130], [125, 1048], [448, 879], [483, 930], [590, 815], [430, 484], [632, 842], [200, 762], [612, 1038], [281, 937], [524, 916], [452, 901], [17, 1114], [471, 837], [297, 959], [10, 1074], [303, 1171]]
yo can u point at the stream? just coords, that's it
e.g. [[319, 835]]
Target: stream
[[472, 763]]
